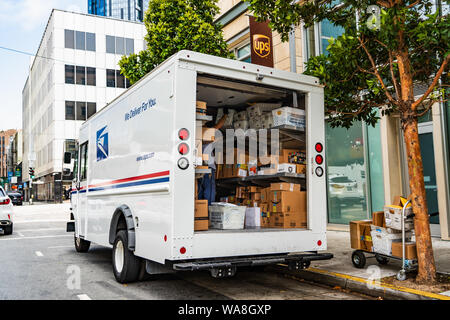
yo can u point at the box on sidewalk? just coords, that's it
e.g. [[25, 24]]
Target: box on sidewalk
[[201, 218], [410, 250], [360, 237], [393, 217], [378, 219], [383, 238]]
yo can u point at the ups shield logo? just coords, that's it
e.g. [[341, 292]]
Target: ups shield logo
[[261, 45]]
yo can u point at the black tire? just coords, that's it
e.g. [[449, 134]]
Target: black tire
[[81, 245], [358, 259], [128, 269], [381, 260], [8, 230]]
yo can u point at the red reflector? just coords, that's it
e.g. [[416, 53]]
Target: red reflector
[[183, 148], [6, 201], [165, 238], [9, 217], [319, 243], [183, 134], [319, 159], [182, 250], [319, 147]]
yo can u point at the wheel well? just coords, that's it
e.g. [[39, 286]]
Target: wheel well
[[123, 220]]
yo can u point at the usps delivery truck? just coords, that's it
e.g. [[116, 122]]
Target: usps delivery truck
[[136, 169]]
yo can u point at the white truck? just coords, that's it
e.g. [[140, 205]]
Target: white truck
[[135, 175]]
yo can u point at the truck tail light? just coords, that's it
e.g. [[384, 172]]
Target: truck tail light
[[4, 202], [319, 147], [183, 149], [183, 134], [182, 250], [319, 159]]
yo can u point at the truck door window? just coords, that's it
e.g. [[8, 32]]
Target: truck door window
[[83, 161]]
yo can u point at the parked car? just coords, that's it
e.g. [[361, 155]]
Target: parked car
[[16, 198], [6, 213]]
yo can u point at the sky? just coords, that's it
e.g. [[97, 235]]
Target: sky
[[22, 24]]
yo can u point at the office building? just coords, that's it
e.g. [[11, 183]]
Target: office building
[[132, 10], [74, 74]]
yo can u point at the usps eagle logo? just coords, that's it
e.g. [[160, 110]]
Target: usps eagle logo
[[102, 144]]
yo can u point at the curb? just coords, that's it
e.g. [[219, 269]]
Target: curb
[[359, 285]]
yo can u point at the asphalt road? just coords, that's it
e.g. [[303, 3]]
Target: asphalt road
[[38, 261]]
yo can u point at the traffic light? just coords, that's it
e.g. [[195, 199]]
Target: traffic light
[[31, 171]]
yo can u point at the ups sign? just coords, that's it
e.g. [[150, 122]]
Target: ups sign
[[261, 43]]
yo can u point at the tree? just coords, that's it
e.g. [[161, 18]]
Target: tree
[[386, 52], [174, 25]]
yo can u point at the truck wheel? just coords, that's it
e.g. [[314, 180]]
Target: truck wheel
[[358, 259], [126, 265], [81, 245], [8, 230]]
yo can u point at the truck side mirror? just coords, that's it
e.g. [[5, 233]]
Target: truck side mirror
[[67, 157]]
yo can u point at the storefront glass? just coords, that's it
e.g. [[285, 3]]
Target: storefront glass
[[375, 165], [346, 169]]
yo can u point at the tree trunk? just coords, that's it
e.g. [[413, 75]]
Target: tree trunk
[[427, 269]]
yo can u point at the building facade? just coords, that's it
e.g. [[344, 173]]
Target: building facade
[[75, 73], [6, 137], [132, 10], [366, 166]]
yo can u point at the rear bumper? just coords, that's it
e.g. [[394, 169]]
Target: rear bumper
[[295, 261]]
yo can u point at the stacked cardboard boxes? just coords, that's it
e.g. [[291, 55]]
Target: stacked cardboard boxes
[[201, 217], [383, 233]]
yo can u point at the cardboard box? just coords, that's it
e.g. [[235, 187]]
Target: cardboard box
[[393, 217], [289, 116], [286, 201], [201, 218], [360, 235], [226, 216], [410, 250], [382, 239], [284, 186], [289, 220], [284, 155], [255, 196], [201, 224], [265, 222], [200, 105], [254, 189], [286, 168], [265, 195], [301, 168], [208, 134], [378, 219]]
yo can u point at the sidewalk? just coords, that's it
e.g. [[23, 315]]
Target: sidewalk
[[340, 271]]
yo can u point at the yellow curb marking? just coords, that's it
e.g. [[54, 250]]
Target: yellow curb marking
[[382, 285]]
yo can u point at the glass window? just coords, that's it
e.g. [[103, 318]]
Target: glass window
[[70, 110], [70, 74], [91, 109], [120, 80], [69, 39], [91, 76], [243, 52], [81, 75], [346, 174], [80, 40], [375, 167], [110, 44], [90, 41], [81, 111], [83, 161], [111, 78], [129, 46], [120, 45]]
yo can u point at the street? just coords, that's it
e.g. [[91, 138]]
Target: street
[[38, 261]]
